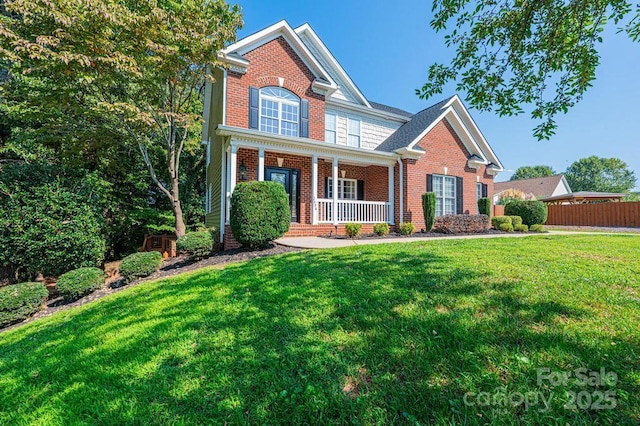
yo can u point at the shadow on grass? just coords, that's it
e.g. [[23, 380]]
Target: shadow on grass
[[350, 336]]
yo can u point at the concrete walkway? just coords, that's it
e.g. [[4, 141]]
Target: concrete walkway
[[323, 243]]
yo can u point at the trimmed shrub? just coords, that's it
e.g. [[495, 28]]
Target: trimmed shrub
[[531, 212], [484, 206], [461, 223], [429, 209], [19, 301], [496, 221], [407, 228], [198, 245], [138, 265], [536, 228], [259, 213], [506, 227], [516, 220], [381, 229], [352, 229], [79, 282], [521, 228]]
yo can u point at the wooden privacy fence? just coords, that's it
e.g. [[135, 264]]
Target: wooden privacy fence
[[597, 214]]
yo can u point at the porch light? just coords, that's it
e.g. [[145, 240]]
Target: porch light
[[243, 171]]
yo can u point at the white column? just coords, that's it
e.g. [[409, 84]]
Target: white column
[[227, 193], [334, 181], [261, 164], [391, 194], [314, 190], [234, 168]]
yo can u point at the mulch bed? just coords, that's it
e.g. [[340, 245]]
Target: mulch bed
[[169, 268]]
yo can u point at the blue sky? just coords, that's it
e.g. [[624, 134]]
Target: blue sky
[[387, 47]]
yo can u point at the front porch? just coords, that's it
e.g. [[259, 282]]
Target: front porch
[[326, 189]]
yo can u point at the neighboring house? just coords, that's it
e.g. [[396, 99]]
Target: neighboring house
[[283, 109], [538, 188]]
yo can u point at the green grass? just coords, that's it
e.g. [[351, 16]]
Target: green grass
[[394, 333]]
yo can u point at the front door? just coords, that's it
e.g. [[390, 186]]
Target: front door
[[290, 180]]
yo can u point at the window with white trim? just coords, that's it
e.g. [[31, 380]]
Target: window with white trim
[[353, 132], [330, 129], [478, 191], [279, 111], [445, 189], [347, 189]]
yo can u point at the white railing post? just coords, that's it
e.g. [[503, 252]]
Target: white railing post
[[334, 182], [314, 190]]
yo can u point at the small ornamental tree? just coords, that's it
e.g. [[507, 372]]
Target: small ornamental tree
[[484, 206], [429, 209], [259, 213]]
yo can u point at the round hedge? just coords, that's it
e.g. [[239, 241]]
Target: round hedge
[[138, 265], [19, 301], [197, 244], [259, 213], [532, 212], [79, 282]]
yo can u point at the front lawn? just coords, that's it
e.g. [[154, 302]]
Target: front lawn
[[438, 332]]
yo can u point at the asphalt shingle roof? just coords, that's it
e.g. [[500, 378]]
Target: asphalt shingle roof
[[393, 110], [409, 131], [539, 187]]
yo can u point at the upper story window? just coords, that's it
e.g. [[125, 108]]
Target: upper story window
[[279, 111], [330, 128], [353, 132]]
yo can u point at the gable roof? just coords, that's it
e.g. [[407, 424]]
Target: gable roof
[[541, 187], [233, 54], [408, 132]]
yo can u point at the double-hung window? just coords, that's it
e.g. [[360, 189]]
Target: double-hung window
[[353, 132], [347, 189], [445, 189], [279, 111], [330, 129]]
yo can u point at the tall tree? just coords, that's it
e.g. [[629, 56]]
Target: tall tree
[[511, 54], [528, 172], [129, 70], [601, 175]]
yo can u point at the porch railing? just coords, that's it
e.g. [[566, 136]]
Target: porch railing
[[353, 211]]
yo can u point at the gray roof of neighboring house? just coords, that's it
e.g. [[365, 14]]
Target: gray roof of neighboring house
[[409, 131], [393, 110], [540, 187]]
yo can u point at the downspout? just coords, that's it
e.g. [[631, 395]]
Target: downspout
[[401, 174]]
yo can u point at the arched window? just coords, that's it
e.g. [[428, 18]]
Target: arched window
[[279, 111]]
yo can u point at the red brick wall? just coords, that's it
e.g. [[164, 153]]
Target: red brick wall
[[375, 179], [267, 63], [443, 149]]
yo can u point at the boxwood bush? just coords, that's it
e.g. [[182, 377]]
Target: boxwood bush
[[138, 265], [506, 227], [381, 229], [407, 228], [497, 221], [198, 245], [259, 213], [521, 228], [79, 282], [532, 212], [19, 301], [461, 223], [352, 229], [516, 220], [536, 228]]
